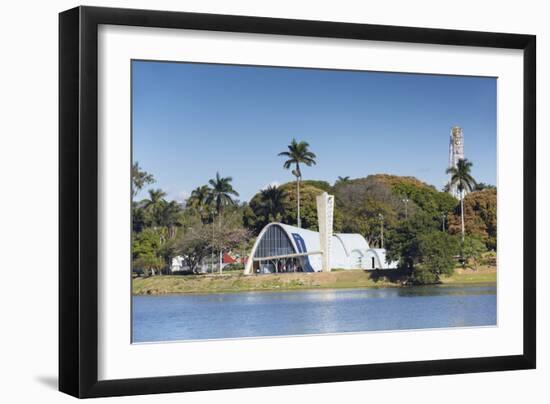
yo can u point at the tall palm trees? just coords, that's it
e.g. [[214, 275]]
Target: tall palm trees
[[198, 196], [161, 213], [273, 202], [169, 216], [199, 201], [154, 205], [220, 196], [140, 178], [461, 177], [220, 192], [298, 153]]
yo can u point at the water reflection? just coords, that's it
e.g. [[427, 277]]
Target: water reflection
[[445, 291], [254, 314]]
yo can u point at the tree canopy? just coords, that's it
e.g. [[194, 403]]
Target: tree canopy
[[437, 252], [480, 217]]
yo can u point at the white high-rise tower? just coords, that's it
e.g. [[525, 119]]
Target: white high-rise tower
[[456, 152]]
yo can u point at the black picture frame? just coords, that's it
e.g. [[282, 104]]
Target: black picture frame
[[78, 201]]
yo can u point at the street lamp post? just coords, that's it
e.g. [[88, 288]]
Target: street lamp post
[[381, 218], [212, 249], [406, 202], [298, 176]]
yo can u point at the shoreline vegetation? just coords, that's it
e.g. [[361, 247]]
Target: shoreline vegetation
[[235, 281]]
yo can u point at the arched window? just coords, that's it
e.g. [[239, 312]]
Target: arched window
[[273, 243]]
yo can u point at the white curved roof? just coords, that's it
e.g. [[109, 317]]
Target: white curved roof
[[342, 245], [310, 237], [349, 241], [353, 241], [339, 256]]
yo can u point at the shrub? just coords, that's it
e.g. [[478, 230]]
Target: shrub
[[423, 276]]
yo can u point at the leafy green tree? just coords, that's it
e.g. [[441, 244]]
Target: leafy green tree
[[146, 242], [308, 207], [481, 186], [254, 217], [140, 178], [323, 185], [148, 264], [189, 218], [364, 218], [298, 153], [228, 237], [437, 251], [195, 244], [402, 242], [472, 250], [480, 217], [167, 251], [251, 220], [146, 246], [461, 177], [221, 192], [424, 197], [139, 217], [361, 200]]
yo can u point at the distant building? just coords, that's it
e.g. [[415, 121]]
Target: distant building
[[284, 248], [178, 265], [456, 153]]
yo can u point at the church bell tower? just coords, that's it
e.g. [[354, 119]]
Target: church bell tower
[[325, 215]]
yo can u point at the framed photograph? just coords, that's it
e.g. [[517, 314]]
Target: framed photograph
[[250, 201]]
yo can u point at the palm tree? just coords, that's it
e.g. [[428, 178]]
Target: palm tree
[[461, 177], [154, 205], [298, 153], [273, 201], [140, 178], [169, 215], [220, 196], [342, 180], [220, 193], [198, 200]]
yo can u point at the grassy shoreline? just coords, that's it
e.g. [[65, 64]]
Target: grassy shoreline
[[237, 282]]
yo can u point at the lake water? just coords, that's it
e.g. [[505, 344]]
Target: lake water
[[255, 314]]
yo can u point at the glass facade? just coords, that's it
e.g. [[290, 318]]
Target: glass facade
[[274, 243]]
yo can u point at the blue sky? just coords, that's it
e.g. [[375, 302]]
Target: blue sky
[[191, 120]]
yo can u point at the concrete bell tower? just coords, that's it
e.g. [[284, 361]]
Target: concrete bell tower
[[325, 217]]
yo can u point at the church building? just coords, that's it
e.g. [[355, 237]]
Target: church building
[[284, 248]]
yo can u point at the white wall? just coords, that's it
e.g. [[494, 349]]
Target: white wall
[[28, 201]]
